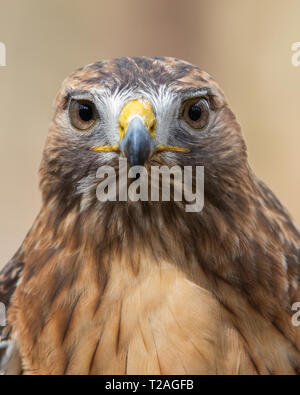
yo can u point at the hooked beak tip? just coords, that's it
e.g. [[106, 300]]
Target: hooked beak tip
[[137, 144]]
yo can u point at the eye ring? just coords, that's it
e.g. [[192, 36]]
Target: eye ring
[[195, 112], [83, 115]]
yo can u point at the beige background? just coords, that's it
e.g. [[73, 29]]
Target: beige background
[[244, 44]]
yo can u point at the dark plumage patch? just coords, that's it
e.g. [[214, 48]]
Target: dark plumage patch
[[9, 277], [135, 71]]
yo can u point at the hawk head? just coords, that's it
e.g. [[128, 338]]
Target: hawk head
[[150, 110]]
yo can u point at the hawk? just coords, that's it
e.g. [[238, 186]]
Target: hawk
[[123, 287]]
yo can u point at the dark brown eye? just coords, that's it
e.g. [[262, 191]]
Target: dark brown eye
[[196, 113], [83, 114]]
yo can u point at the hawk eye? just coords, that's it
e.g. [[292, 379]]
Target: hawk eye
[[83, 114], [196, 113]]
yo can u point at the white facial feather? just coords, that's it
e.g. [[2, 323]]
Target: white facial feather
[[164, 101]]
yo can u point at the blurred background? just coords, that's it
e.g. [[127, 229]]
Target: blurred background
[[245, 45]]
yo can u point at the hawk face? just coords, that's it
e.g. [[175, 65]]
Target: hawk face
[[159, 111]]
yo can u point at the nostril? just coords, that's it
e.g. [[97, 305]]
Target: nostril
[[122, 131], [152, 128]]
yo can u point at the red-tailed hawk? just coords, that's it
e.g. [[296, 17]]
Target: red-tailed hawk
[[145, 287]]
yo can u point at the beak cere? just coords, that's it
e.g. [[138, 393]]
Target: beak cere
[[137, 130], [137, 145]]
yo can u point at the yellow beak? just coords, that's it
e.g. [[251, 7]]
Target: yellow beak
[[137, 131], [137, 108]]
